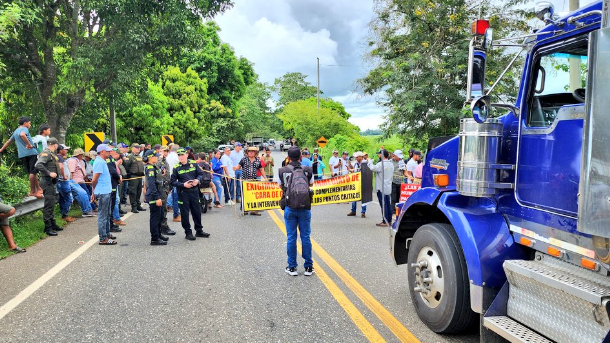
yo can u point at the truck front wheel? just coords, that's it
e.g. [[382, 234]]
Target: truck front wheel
[[438, 279]]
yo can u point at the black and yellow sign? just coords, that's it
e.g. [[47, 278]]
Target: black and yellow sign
[[93, 139], [322, 142], [267, 195], [167, 139]]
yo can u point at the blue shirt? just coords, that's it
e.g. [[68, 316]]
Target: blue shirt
[[216, 166], [306, 162], [22, 151], [104, 185]]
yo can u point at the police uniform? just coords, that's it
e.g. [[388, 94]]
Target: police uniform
[[48, 163], [188, 198], [164, 180], [153, 193], [135, 169]]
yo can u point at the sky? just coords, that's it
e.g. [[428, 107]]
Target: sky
[[281, 36]]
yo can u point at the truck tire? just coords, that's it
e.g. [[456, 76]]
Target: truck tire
[[442, 300]]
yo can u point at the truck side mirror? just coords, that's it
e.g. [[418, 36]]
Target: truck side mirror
[[476, 73], [479, 107]]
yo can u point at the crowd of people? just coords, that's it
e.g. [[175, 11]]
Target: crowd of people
[[175, 179]]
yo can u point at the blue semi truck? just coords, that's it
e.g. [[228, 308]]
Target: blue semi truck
[[511, 227]]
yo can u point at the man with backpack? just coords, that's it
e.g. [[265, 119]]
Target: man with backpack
[[295, 180]]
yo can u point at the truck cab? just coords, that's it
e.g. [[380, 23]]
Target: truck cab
[[511, 227]]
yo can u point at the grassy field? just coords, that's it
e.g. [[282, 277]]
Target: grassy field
[[29, 229]]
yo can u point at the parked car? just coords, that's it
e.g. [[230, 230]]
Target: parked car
[[221, 147]]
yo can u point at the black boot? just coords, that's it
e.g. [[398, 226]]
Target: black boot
[[158, 242], [134, 210], [163, 238], [48, 229], [167, 231]]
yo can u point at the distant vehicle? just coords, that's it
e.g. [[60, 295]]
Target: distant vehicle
[[258, 142], [285, 145], [221, 147], [272, 143]]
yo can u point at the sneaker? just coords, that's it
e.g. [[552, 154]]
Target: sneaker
[[68, 219], [88, 214], [291, 271], [309, 271]]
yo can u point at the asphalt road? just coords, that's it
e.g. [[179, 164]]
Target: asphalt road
[[230, 287]]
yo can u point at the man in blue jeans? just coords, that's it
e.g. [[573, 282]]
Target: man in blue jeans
[[294, 217], [102, 191]]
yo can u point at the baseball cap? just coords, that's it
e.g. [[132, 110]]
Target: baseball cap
[[62, 147], [123, 145], [157, 146], [135, 145], [411, 151], [112, 144], [181, 151], [164, 148], [306, 152], [106, 141], [103, 147], [398, 153], [417, 152], [238, 144], [116, 150], [52, 141], [358, 154], [294, 152], [150, 152], [188, 148], [78, 151], [345, 153]]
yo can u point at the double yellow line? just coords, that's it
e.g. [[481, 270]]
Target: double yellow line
[[367, 299]]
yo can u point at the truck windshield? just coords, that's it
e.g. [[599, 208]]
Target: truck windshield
[[560, 80]]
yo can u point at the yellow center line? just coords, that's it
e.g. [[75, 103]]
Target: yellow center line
[[401, 332], [355, 315]]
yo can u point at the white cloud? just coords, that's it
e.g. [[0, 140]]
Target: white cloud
[[281, 36]]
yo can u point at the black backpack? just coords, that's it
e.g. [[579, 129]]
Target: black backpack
[[297, 193]]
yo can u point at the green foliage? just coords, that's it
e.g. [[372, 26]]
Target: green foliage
[[255, 114], [293, 87], [74, 52], [420, 50], [215, 61], [15, 185], [308, 124]]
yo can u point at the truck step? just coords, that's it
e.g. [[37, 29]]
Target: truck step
[[559, 300], [512, 330]]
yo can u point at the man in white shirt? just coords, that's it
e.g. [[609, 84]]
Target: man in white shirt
[[236, 156], [227, 166], [411, 165], [172, 160], [344, 163], [335, 164], [383, 184]]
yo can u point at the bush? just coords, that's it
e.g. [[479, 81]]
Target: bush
[[15, 185]]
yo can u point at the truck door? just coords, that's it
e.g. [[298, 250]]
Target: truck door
[[550, 140]]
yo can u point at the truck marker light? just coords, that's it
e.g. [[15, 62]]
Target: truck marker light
[[479, 27], [553, 241], [526, 241], [588, 264], [554, 252], [441, 180]]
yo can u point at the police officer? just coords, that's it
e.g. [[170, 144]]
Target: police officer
[[48, 167], [135, 168], [186, 177], [153, 197], [164, 177]]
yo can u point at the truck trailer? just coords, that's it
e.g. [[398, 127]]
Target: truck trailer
[[510, 229]]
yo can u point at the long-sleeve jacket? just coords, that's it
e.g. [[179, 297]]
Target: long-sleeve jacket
[[216, 166], [115, 177], [47, 163], [383, 175], [182, 173]]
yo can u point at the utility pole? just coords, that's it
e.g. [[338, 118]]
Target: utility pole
[[575, 72], [112, 120], [318, 84]]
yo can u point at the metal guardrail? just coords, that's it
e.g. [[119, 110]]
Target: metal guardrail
[[28, 205]]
